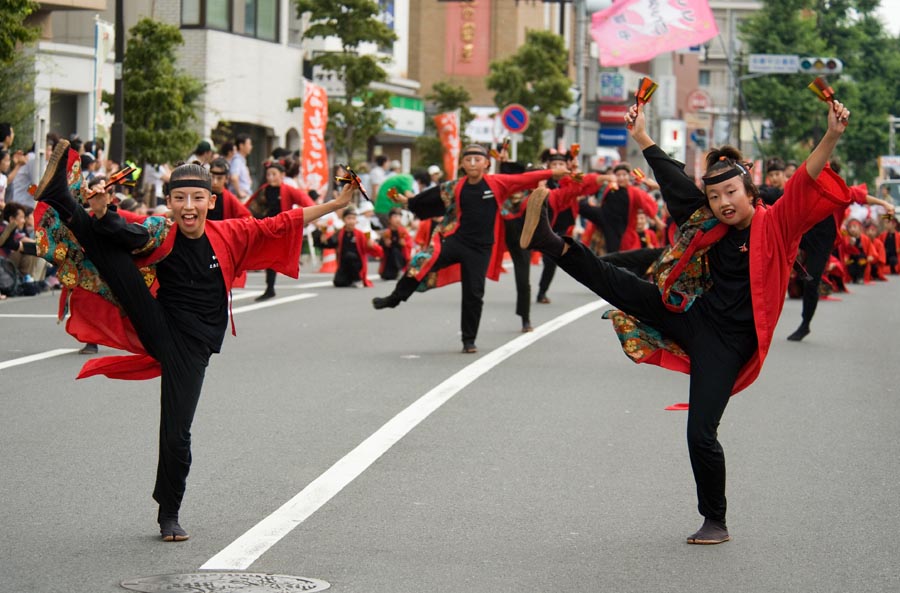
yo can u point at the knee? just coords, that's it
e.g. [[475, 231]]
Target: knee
[[702, 438]]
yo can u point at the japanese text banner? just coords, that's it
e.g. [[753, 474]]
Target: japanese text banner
[[314, 159], [632, 31]]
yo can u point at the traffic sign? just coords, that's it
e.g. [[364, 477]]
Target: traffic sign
[[514, 118], [612, 87], [698, 100], [612, 114], [774, 63], [612, 137]]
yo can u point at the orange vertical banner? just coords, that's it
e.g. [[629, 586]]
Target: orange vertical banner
[[314, 158], [448, 130]]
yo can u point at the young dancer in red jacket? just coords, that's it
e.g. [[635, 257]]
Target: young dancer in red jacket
[[719, 291], [173, 333]]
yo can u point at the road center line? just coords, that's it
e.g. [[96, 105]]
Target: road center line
[[273, 302], [246, 549]]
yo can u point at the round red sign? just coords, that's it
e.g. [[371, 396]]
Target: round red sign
[[698, 100]]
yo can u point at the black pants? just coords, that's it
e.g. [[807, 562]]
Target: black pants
[[521, 259], [347, 274], [474, 262], [817, 244], [270, 281], [183, 358], [717, 355]]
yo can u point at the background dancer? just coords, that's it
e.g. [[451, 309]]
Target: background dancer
[[469, 243]]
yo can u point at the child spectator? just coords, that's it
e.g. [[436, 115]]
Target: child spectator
[[353, 250], [397, 245]]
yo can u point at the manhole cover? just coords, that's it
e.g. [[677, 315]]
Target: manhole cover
[[225, 582]]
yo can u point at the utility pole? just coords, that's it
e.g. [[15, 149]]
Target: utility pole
[[580, 63], [117, 133]]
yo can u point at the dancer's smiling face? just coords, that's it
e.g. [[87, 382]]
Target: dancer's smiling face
[[189, 206]]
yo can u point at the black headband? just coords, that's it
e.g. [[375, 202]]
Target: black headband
[[199, 183], [475, 151], [738, 169]]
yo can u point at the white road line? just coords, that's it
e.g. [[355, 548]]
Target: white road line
[[274, 302], [35, 357], [246, 549], [250, 291], [236, 311]]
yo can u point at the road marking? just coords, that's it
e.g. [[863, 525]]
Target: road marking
[[273, 302], [60, 351], [249, 291], [246, 549], [35, 357]]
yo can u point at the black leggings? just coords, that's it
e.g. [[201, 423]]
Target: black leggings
[[716, 355], [474, 263], [183, 358], [521, 259]]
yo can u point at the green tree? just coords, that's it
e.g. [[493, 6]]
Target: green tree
[[359, 115], [849, 30], [13, 29], [17, 73], [535, 77], [160, 100], [443, 97]]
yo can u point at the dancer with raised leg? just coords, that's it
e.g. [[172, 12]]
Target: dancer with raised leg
[[112, 265], [719, 290]]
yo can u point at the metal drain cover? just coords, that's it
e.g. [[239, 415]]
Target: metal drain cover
[[225, 582]]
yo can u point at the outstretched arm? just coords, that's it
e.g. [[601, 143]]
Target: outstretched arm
[[838, 116], [311, 213]]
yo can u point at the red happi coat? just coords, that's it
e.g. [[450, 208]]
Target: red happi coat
[[290, 197], [239, 244], [232, 206], [502, 186], [362, 248], [638, 199], [775, 234], [565, 197]]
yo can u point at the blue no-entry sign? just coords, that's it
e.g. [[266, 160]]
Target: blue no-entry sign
[[514, 118]]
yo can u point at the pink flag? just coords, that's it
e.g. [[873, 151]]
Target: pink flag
[[632, 31], [314, 158]]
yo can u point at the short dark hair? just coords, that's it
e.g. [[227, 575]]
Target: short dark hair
[[11, 209], [5, 129], [280, 153], [394, 211], [240, 139], [623, 166], [380, 160], [774, 164], [226, 148], [348, 212], [220, 163], [190, 171]]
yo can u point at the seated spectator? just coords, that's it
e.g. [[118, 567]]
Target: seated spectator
[[17, 247]]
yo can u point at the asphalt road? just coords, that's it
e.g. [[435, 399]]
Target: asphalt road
[[542, 466]]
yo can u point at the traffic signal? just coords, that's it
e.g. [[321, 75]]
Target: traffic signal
[[820, 66]]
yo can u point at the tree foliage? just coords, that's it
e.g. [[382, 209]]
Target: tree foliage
[[535, 77], [443, 97], [849, 30], [17, 78], [160, 100], [13, 29], [359, 115]]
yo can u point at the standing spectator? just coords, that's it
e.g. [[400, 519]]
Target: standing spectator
[[435, 174], [377, 175], [240, 172], [202, 155]]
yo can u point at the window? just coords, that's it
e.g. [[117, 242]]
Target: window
[[253, 18], [703, 79]]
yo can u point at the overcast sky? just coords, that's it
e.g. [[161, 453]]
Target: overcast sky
[[890, 11]]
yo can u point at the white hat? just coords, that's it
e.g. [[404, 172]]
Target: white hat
[[395, 165], [433, 169], [365, 207]]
